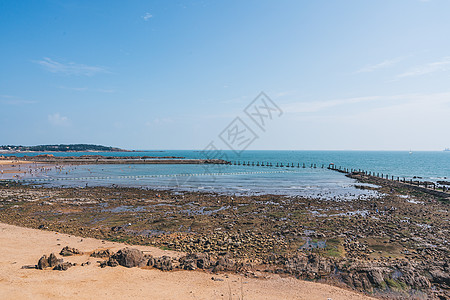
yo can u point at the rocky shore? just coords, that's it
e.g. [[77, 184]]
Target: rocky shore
[[75, 272], [393, 246]]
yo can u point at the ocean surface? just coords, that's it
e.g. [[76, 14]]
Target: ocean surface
[[230, 179]]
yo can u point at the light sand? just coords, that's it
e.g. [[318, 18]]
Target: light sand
[[12, 166], [14, 162], [21, 168], [22, 246], [13, 172]]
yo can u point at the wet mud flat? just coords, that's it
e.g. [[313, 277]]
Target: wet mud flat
[[395, 245]]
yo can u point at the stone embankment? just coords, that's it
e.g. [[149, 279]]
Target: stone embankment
[[99, 159]]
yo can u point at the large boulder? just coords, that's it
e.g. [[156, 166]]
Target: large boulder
[[440, 276], [195, 260], [224, 263], [129, 257], [188, 263], [376, 277], [163, 263]]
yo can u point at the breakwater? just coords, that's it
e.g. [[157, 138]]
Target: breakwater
[[418, 185], [97, 159]]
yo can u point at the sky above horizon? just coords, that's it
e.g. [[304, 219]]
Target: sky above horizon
[[347, 75]]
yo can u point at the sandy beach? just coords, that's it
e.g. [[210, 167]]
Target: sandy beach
[[22, 246]]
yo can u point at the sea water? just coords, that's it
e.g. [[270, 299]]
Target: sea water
[[231, 179]]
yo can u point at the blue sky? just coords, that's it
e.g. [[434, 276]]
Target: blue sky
[[367, 75]]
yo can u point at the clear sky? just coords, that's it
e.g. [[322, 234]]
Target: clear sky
[[369, 75]]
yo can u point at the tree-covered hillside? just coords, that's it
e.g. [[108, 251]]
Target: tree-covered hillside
[[59, 148]]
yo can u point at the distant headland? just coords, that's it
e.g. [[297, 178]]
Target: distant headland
[[61, 148]]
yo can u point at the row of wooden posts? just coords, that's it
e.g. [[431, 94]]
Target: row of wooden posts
[[427, 184], [269, 164], [334, 168]]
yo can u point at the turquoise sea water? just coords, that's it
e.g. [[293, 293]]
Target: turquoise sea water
[[314, 182]]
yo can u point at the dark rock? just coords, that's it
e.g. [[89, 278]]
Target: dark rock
[[216, 279], [421, 282], [117, 228], [224, 263], [203, 260], [67, 251], [376, 277], [63, 266], [439, 276], [29, 267], [112, 262], [357, 281], [347, 278], [151, 261], [365, 282], [163, 263], [43, 263], [53, 260], [101, 253], [188, 264], [48, 262], [129, 257], [413, 279], [195, 260]]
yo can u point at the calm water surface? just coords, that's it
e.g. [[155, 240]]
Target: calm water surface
[[309, 182]]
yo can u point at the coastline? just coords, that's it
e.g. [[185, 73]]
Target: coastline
[[36, 165], [362, 240], [99, 160], [22, 246]]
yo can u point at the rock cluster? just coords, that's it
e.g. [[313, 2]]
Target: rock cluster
[[101, 253], [239, 244], [52, 262], [195, 260], [129, 258], [164, 263], [368, 276], [68, 251]]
